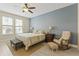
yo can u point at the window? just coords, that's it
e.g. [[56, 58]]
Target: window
[[18, 26], [7, 25]]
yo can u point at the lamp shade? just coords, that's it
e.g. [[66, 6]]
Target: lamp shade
[[50, 27]]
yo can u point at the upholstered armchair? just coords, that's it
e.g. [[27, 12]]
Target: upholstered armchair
[[63, 42]]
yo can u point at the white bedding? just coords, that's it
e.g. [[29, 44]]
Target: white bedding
[[30, 38]]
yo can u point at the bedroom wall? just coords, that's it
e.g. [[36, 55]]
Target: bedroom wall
[[61, 19], [25, 24]]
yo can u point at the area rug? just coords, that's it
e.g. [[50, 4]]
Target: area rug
[[45, 51]]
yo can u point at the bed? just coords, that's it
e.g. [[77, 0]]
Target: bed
[[30, 39]]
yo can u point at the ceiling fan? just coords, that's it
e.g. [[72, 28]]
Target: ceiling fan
[[25, 8]]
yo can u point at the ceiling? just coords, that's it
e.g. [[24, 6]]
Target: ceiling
[[41, 8]]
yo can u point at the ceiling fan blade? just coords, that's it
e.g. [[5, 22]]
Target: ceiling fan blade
[[31, 7], [26, 5], [30, 11]]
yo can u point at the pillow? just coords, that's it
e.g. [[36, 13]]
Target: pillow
[[35, 31], [40, 32], [45, 32]]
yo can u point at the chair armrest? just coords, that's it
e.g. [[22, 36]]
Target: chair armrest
[[57, 41]]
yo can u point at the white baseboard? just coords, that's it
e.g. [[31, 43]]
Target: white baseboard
[[72, 45]]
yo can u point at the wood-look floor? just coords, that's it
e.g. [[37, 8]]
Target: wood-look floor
[[4, 50]]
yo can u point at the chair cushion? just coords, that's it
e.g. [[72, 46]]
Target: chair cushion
[[52, 45], [64, 42], [66, 35]]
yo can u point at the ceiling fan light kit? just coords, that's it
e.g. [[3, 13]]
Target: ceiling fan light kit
[[25, 10]]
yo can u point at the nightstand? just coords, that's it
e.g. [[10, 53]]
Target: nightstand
[[49, 37]]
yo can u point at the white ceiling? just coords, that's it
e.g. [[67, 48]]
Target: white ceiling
[[41, 8]]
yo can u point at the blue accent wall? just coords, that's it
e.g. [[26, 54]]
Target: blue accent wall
[[61, 19]]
